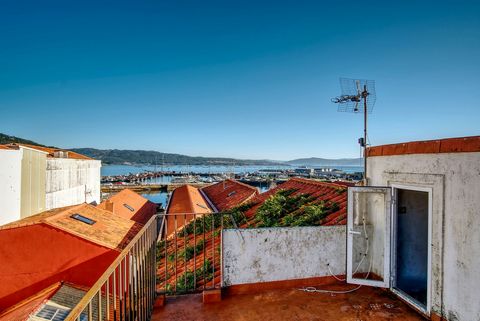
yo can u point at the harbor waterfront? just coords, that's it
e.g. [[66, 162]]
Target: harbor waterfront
[[155, 182], [110, 170]]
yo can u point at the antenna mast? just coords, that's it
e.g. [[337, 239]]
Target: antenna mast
[[354, 92]]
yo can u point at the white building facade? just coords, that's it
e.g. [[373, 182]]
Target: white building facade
[[22, 183], [425, 246], [72, 181], [34, 179]]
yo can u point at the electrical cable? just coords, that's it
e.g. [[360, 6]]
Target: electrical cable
[[312, 289]]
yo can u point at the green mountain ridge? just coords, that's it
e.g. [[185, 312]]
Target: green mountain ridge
[[118, 156], [145, 157], [315, 161], [7, 139]]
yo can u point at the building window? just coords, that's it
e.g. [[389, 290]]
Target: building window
[[131, 209], [53, 313], [83, 219], [232, 193]]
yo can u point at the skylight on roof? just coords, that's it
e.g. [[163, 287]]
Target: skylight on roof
[[232, 193], [83, 219], [52, 313], [131, 209], [202, 206]]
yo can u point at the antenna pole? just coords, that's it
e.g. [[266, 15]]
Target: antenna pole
[[365, 94]]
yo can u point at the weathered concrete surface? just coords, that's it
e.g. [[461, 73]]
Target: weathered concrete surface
[[455, 182], [72, 181], [275, 254], [22, 183], [367, 304]]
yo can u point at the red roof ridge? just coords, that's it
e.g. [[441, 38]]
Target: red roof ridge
[[39, 218], [315, 182], [241, 183], [436, 146], [189, 191]]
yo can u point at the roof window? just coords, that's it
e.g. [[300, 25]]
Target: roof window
[[131, 209], [83, 219], [53, 313], [232, 193], [202, 206]]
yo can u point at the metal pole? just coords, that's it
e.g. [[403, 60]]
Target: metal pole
[[365, 94]]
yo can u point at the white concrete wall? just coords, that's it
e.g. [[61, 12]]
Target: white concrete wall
[[32, 198], [72, 181], [10, 185], [274, 254], [455, 182]]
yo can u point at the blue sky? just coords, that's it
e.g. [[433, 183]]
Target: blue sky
[[246, 79]]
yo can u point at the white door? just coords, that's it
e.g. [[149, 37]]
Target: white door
[[368, 236]]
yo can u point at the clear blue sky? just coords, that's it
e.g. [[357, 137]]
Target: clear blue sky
[[246, 79]]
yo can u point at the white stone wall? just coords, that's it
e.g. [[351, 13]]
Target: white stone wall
[[275, 254], [10, 185], [455, 182], [72, 181]]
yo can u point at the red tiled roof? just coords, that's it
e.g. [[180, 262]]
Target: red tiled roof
[[229, 193], [109, 230], [130, 205], [449, 145], [54, 247], [321, 191], [50, 150], [188, 199]]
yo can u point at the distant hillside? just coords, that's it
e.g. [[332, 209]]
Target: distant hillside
[[6, 139], [116, 156], [314, 161]]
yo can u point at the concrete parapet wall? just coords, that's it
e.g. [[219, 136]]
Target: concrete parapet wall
[[276, 254]]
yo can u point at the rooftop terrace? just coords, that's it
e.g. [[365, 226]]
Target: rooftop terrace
[[365, 304]]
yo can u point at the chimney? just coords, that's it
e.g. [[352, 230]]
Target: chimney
[[109, 206]]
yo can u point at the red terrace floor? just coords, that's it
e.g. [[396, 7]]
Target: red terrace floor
[[363, 305]]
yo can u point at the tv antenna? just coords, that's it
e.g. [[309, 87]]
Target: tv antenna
[[358, 96]]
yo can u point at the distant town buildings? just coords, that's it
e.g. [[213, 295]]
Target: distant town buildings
[[34, 179]]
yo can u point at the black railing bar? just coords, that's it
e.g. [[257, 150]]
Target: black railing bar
[[212, 237], [166, 263], [204, 251], [175, 254], [195, 251]]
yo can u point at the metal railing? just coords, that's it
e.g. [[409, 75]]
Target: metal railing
[[126, 291], [190, 252]]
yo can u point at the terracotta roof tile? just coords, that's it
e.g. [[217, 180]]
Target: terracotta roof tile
[[108, 230], [130, 205], [448, 145], [188, 199], [229, 193], [321, 191]]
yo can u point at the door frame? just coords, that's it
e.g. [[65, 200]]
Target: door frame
[[393, 264], [387, 191]]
